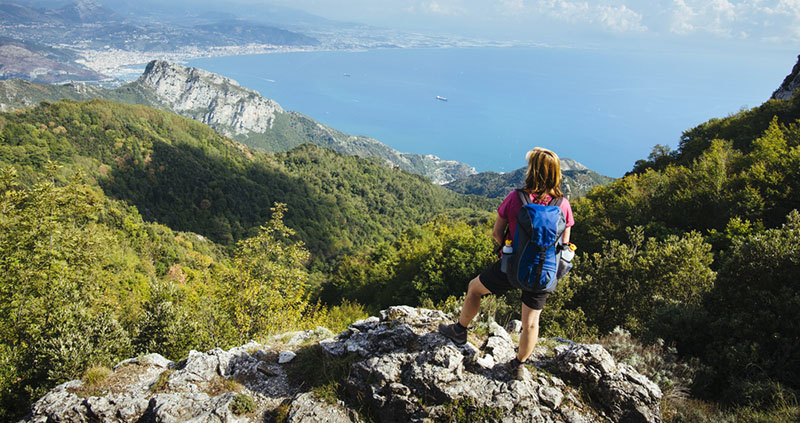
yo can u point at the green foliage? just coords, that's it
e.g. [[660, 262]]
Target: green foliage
[[181, 173], [242, 404], [721, 185], [95, 375], [52, 242], [430, 261], [341, 316], [754, 347], [266, 286], [162, 383], [464, 410], [159, 291], [321, 373], [621, 286], [164, 326], [740, 128]]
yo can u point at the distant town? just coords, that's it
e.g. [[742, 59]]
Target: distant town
[[85, 41]]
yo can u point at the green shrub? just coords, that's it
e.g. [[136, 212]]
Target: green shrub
[[431, 261], [624, 284], [658, 362], [162, 383], [753, 349], [242, 404], [464, 410], [341, 316], [95, 375]]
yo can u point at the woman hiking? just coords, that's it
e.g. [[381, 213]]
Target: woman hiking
[[542, 185]]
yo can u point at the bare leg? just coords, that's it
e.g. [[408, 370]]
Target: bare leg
[[530, 332], [472, 302]]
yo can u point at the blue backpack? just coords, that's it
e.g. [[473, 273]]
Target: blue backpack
[[537, 245]]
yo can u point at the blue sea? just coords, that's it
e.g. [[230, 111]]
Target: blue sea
[[603, 108]]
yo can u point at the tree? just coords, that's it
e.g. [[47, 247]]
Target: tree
[[265, 288], [624, 283]]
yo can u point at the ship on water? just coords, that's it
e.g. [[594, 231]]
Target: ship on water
[[440, 98]]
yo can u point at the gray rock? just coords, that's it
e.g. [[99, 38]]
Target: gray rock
[[192, 92], [789, 85], [514, 326], [550, 397], [286, 357], [401, 370], [303, 336], [151, 359], [625, 394], [307, 409]]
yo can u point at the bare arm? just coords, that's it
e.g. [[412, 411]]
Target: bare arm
[[499, 230], [567, 233]]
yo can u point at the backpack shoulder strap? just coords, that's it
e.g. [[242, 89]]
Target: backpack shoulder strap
[[523, 196], [556, 202]]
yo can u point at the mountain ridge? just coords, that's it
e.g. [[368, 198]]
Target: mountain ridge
[[578, 179]]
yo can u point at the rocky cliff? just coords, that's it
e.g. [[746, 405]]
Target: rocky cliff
[[217, 101], [234, 111], [254, 120], [392, 368], [789, 85]]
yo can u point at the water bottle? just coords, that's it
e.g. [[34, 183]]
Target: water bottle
[[565, 264], [507, 250]]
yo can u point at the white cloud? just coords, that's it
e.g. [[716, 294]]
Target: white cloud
[[773, 20], [682, 18], [446, 8], [620, 19], [610, 16]]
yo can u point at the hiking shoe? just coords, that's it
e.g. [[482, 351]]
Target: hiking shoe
[[516, 369], [459, 337]]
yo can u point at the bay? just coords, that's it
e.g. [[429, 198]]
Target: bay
[[604, 108]]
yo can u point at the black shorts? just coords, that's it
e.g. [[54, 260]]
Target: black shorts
[[497, 282]]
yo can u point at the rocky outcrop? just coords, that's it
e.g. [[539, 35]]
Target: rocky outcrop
[[244, 114], [399, 369], [217, 101], [790, 84]]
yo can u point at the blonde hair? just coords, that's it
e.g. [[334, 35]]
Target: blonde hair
[[544, 173]]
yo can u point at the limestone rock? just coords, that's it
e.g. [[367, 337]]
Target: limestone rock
[[399, 369], [408, 372], [790, 84], [217, 101], [625, 394], [286, 357], [307, 409]]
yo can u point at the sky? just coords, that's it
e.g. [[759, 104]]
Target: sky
[[764, 23]]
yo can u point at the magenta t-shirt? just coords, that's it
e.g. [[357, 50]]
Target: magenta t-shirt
[[510, 207]]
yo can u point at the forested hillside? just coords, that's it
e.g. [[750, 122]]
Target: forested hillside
[[89, 277], [181, 173]]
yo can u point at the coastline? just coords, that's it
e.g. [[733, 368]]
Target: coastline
[[112, 62]]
